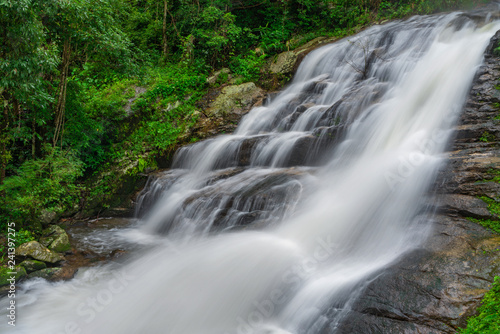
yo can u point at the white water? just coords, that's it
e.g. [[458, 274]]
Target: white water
[[329, 229]]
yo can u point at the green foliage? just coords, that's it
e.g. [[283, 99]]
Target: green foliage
[[158, 121], [487, 137], [494, 208], [216, 35], [248, 65], [166, 109], [390, 9], [493, 205], [488, 319], [495, 175], [494, 225], [41, 184], [89, 24], [23, 236], [24, 55]]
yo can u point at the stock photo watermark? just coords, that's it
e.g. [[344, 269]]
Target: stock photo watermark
[[291, 281], [408, 164]]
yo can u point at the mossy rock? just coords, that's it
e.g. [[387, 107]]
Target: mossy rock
[[37, 251], [235, 98], [47, 273], [55, 239], [33, 265], [284, 62], [48, 217], [5, 274]]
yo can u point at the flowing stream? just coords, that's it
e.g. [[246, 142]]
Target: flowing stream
[[267, 229]]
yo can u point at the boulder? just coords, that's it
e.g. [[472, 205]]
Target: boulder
[[33, 265], [48, 217], [235, 99], [55, 239], [47, 273], [37, 251], [6, 273], [284, 62]]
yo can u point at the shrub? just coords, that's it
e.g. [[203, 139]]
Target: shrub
[[42, 184], [488, 319]]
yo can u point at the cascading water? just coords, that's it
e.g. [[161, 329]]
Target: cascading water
[[254, 245]]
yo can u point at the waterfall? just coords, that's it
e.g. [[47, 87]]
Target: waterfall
[[314, 194]]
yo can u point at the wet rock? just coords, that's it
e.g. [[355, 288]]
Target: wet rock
[[47, 273], [309, 150], [247, 147], [6, 274], [37, 251], [33, 265], [55, 239], [463, 205], [269, 194], [117, 253]]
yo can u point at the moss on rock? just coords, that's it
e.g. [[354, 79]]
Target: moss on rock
[[37, 251], [55, 239], [6, 274], [33, 265], [47, 273], [235, 98]]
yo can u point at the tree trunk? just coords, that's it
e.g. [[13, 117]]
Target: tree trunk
[[165, 11], [4, 154], [61, 100], [33, 138]]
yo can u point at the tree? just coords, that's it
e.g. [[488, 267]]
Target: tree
[[26, 60], [85, 31]]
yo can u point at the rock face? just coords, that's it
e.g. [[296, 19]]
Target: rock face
[[55, 239], [37, 251], [435, 289]]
